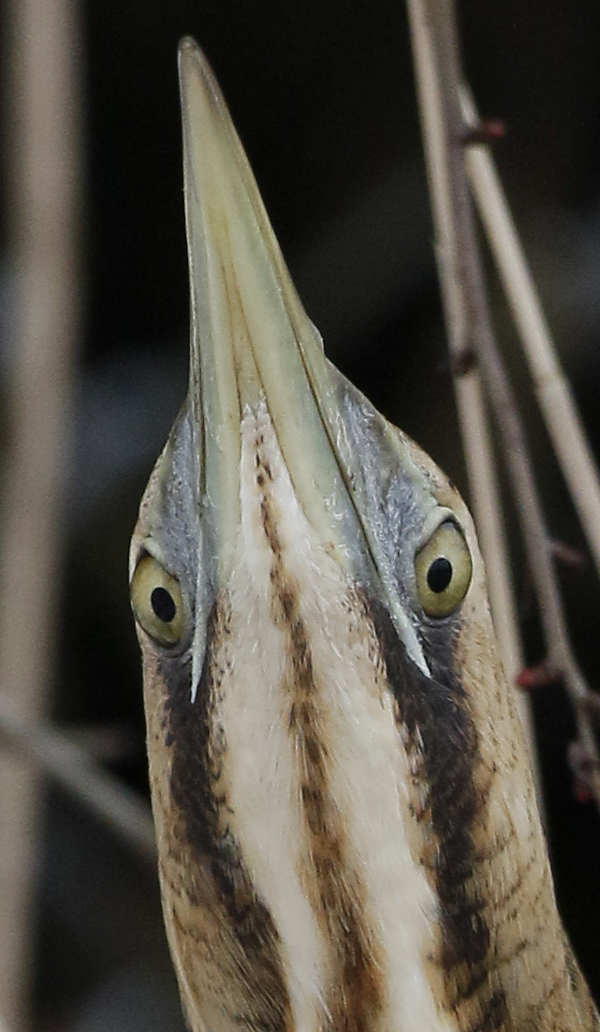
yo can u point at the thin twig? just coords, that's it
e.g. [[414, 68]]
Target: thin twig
[[438, 62], [483, 481], [71, 767], [487, 508], [552, 389]]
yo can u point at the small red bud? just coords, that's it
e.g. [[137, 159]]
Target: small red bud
[[581, 791], [582, 765], [539, 676]]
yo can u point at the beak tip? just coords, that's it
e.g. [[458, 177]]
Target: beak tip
[[192, 63], [188, 52]]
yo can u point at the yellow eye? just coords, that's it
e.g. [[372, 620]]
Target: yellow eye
[[443, 569], [157, 602]]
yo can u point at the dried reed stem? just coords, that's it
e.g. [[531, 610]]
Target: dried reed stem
[[71, 767], [552, 389], [483, 482], [437, 60], [42, 175]]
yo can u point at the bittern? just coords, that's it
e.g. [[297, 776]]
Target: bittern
[[347, 829]]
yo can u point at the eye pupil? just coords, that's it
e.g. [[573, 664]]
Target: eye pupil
[[163, 605], [439, 575]]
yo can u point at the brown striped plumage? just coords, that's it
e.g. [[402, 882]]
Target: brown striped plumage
[[347, 828]]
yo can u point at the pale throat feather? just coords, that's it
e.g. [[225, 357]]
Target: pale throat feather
[[329, 741]]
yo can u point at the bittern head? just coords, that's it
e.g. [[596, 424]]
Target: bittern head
[[345, 819]]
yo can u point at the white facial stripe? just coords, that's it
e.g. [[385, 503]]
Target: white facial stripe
[[367, 769], [261, 773]]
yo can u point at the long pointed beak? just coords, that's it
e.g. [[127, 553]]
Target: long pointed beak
[[251, 339], [252, 343]]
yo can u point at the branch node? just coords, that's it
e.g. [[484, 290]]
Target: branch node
[[463, 361], [591, 705], [488, 130], [583, 768], [568, 555]]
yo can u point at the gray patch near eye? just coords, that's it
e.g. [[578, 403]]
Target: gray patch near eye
[[393, 498]]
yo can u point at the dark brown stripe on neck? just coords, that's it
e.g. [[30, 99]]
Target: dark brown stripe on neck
[[197, 806], [435, 714], [355, 998]]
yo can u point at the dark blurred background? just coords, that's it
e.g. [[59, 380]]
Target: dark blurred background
[[323, 98]]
